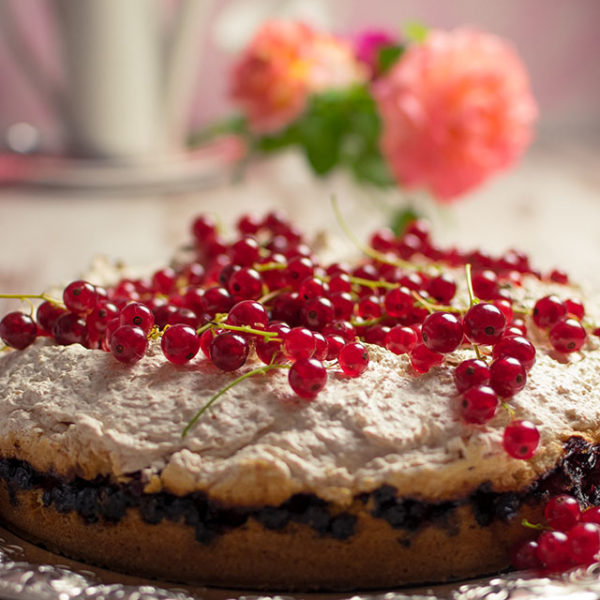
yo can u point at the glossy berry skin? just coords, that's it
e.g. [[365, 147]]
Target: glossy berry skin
[[507, 376], [317, 312], [470, 373], [525, 556], [138, 315], [353, 359], [518, 347], [398, 302], [245, 283], [583, 543], [217, 300], [442, 332], [248, 313], [567, 335], [229, 351], [591, 515], [562, 512], [484, 323], [80, 297], [442, 288], [299, 342], [334, 345], [400, 340], [46, 315], [70, 329], [204, 229], [485, 284], [548, 310], [521, 439], [128, 344], [321, 346], [180, 344], [478, 404], [307, 377], [422, 358], [18, 330], [553, 550]]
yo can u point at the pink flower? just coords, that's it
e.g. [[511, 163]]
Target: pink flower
[[283, 65], [455, 109]]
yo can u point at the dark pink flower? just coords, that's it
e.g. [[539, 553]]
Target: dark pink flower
[[367, 45]]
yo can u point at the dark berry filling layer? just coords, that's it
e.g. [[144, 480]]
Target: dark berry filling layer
[[578, 474]]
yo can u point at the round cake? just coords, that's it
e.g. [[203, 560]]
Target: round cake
[[387, 474]]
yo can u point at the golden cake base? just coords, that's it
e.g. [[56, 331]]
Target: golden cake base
[[293, 558]]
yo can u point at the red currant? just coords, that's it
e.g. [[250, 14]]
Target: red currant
[[400, 340], [484, 323], [248, 313], [562, 512], [398, 302], [507, 376], [553, 550], [180, 343], [525, 556], [137, 314], [521, 439], [18, 330], [299, 342], [479, 404], [548, 311], [46, 315], [128, 344], [246, 283], [567, 335], [442, 332], [307, 377], [353, 359], [70, 329], [80, 297], [584, 543], [229, 351], [518, 347], [470, 373], [422, 358]]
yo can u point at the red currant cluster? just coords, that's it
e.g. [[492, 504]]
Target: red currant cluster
[[570, 538], [268, 292]]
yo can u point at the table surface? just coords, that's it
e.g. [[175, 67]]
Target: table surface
[[548, 206]]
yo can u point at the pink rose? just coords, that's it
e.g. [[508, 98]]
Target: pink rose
[[455, 109], [284, 63]]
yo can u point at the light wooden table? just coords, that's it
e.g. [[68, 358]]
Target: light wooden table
[[549, 206]]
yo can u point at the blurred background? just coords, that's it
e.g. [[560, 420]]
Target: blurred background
[[71, 69], [558, 41]]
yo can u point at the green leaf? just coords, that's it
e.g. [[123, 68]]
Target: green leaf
[[388, 56], [401, 219], [415, 31]]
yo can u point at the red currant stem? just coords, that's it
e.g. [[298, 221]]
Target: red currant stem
[[28, 297], [268, 297], [204, 327], [509, 409], [246, 329], [367, 323], [472, 299], [531, 525], [370, 283], [155, 332], [432, 306], [367, 250], [270, 266], [257, 371]]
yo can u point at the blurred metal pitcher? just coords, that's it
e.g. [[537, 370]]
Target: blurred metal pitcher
[[128, 83]]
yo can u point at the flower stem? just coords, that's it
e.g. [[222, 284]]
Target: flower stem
[[257, 371]]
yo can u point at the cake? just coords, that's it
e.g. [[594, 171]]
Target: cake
[[383, 476]]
